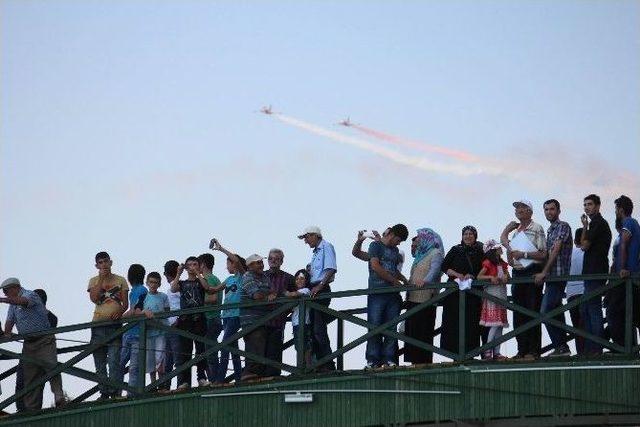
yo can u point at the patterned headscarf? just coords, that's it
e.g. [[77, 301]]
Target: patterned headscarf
[[426, 240]]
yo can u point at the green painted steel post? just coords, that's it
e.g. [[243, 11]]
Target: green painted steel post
[[300, 341], [340, 344], [461, 325], [142, 353], [628, 317]]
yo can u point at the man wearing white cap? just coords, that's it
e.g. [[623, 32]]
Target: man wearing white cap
[[255, 287], [323, 269], [526, 255], [29, 315]]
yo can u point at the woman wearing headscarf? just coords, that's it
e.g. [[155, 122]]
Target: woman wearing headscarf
[[463, 261], [428, 253]]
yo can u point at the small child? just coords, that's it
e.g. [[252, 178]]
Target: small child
[[155, 302], [303, 282], [493, 315]]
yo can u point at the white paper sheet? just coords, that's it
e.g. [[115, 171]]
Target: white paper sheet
[[520, 242]]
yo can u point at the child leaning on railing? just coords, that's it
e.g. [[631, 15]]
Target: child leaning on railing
[[302, 289]]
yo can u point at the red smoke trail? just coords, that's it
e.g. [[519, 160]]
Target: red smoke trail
[[421, 146]]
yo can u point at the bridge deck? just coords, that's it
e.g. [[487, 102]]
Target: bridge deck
[[507, 392]]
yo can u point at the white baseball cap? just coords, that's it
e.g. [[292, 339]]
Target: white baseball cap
[[253, 258], [312, 229], [523, 201]]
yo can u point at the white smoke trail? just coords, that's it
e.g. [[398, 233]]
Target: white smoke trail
[[395, 156]]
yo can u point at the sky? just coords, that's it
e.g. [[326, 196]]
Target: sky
[[133, 127]]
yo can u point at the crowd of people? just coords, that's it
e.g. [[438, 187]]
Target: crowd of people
[[531, 254]]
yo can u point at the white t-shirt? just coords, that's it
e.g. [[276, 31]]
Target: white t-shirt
[[575, 287], [295, 316], [174, 304]]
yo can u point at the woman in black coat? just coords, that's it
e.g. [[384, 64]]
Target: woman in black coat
[[461, 262]]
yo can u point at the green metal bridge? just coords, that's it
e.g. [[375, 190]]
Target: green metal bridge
[[465, 391]]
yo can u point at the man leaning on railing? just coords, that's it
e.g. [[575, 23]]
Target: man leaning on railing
[[29, 315]]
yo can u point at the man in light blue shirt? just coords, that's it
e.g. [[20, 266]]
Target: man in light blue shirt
[[322, 270]]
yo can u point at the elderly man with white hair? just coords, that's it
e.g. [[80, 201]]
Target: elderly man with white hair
[[323, 269], [526, 253], [280, 282]]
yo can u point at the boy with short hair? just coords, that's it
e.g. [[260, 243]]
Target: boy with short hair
[[213, 296], [131, 338], [109, 293], [191, 296], [155, 302]]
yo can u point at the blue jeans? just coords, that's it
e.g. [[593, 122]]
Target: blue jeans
[[172, 348], [591, 313], [231, 326], [107, 355], [552, 299], [381, 309], [130, 349], [214, 327]]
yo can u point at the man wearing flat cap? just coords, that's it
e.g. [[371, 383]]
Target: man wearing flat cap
[[29, 315], [323, 269], [526, 263], [255, 287]]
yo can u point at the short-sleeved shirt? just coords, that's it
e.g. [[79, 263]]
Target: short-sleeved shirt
[[156, 303], [389, 257], [109, 302], [174, 304], [191, 294], [322, 260], [280, 282], [232, 295], [535, 234], [575, 287], [137, 297], [295, 316], [252, 284], [560, 231], [596, 258], [29, 319], [492, 270], [213, 281], [632, 264]]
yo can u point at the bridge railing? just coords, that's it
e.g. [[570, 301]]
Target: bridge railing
[[283, 306]]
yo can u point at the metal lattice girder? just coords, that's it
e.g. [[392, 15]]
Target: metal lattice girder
[[62, 367], [380, 329], [215, 346], [538, 318]]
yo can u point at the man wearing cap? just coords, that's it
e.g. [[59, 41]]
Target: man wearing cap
[[526, 263], [29, 315], [255, 287], [322, 270]]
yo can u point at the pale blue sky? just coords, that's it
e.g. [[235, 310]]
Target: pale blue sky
[[130, 126]]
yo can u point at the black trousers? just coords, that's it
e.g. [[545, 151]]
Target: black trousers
[[273, 350], [419, 326], [255, 342], [527, 295], [194, 323]]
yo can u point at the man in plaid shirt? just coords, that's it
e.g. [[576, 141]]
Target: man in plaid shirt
[[559, 246]]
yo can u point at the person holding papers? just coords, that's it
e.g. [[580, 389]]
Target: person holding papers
[[526, 253]]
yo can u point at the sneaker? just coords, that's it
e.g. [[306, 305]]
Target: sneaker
[[62, 400], [530, 357], [560, 352], [183, 386], [370, 365], [203, 382], [498, 356], [390, 365], [487, 355]]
